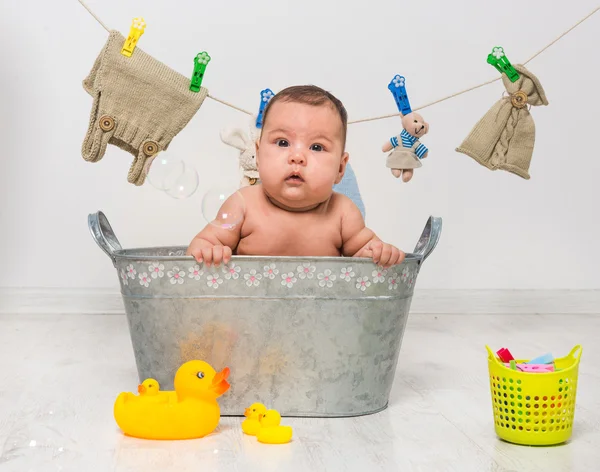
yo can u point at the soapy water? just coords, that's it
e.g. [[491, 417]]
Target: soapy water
[[218, 214], [172, 176]]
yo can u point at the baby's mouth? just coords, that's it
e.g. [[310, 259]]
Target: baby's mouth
[[294, 177]]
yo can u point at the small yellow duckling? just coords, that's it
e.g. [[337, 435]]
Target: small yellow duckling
[[271, 432], [149, 387], [253, 415], [149, 390]]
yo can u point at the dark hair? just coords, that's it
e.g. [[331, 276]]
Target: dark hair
[[309, 95]]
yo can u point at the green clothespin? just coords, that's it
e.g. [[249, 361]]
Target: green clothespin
[[200, 63], [513, 365], [498, 59]]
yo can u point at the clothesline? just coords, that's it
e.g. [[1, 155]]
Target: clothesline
[[393, 114]]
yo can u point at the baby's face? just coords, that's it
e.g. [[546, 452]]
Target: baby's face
[[300, 155]]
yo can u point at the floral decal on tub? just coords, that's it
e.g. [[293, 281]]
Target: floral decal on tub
[[252, 278], [364, 278], [231, 271], [270, 271], [306, 270], [214, 280], [326, 279], [156, 270], [347, 274], [362, 283], [124, 277], [411, 279], [379, 275], [288, 280], [145, 279], [131, 271], [176, 275], [393, 281], [195, 272]]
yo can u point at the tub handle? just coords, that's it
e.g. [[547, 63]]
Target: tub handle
[[429, 238], [104, 235]]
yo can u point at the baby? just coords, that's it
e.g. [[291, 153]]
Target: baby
[[294, 211]]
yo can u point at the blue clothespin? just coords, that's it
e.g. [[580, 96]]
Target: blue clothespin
[[265, 96], [396, 86]]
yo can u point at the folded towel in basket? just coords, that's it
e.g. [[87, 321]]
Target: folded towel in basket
[[140, 105]]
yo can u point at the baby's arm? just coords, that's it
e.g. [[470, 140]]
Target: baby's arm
[[360, 241], [216, 243]]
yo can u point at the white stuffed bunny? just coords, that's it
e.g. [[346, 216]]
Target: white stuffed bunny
[[245, 141]]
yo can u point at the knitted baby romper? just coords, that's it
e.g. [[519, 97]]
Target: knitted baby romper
[[140, 105]]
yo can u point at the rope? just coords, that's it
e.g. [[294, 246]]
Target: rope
[[485, 83], [93, 14], [426, 105], [562, 35], [230, 105]]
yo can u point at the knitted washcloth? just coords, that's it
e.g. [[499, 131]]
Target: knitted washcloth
[[504, 137], [140, 105]]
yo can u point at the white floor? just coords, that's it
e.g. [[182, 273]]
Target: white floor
[[60, 374]]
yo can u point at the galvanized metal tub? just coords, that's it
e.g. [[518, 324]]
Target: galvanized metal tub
[[308, 336]]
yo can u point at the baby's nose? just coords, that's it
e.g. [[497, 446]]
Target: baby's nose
[[297, 157]]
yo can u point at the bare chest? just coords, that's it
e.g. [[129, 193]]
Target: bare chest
[[290, 234]]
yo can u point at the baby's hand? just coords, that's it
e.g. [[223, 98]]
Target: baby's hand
[[210, 254], [384, 254]]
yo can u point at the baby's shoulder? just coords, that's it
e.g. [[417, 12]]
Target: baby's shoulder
[[342, 203], [250, 192]]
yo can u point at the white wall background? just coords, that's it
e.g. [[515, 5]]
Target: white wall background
[[499, 231]]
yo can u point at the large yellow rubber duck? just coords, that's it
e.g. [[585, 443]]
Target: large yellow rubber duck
[[191, 411], [271, 432], [253, 415]]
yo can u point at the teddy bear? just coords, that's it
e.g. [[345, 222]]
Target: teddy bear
[[407, 150], [244, 140]]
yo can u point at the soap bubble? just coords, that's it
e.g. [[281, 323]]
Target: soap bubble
[[164, 171], [185, 185], [33, 445], [229, 217], [172, 176]]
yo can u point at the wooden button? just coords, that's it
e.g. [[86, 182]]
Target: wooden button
[[107, 123], [519, 99], [150, 148]]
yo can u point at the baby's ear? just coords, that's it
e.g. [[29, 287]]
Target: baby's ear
[[256, 145], [234, 137], [342, 169]]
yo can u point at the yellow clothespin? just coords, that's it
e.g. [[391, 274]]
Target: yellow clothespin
[[137, 29]]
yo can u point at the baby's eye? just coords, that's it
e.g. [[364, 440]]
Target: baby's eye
[[316, 148], [282, 143]]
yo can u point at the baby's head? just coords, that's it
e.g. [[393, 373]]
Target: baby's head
[[301, 151]]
